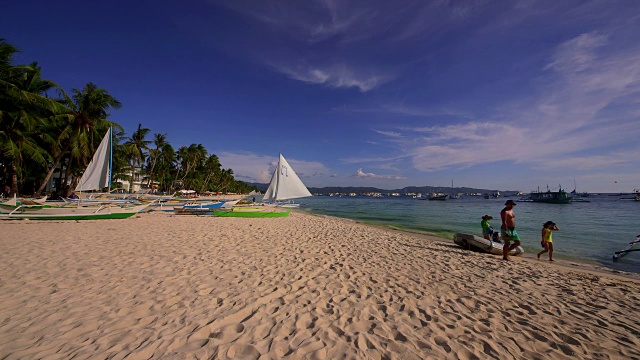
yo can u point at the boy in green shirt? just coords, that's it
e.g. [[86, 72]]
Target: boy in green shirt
[[487, 230]]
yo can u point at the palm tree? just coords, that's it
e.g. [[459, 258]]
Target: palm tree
[[225, 179], [166, 165], [190, 158], [24, 111], [211, 166], [136, 148], [82, 128], [159, 141]]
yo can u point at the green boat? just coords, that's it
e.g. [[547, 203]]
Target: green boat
[[251, 214], [73, 213], [551, 197]]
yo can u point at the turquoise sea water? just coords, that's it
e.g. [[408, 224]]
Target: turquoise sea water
[[589, 232]]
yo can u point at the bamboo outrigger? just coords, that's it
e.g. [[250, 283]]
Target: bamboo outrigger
[[628, 249]]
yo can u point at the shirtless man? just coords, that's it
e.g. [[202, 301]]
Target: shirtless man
[[508, 229]]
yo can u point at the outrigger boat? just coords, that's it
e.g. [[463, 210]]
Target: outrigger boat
[[73, 213], [96, 176], [618, 254], [473, 242], [251, 213], [284, 185]]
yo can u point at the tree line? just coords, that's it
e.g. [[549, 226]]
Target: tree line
[[44, 130]]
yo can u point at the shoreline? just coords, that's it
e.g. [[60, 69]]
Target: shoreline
[[571, 264], [305, 286]]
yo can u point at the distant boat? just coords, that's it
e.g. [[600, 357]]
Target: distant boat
[[575, 192], [438, 196], [453, 194], [551, 197], [285, 185]]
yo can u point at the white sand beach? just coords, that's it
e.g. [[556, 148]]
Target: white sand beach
[[304, 286]]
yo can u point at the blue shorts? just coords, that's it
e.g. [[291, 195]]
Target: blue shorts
[[509, 235]]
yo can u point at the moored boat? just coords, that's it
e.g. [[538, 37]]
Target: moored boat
[[551, 197], [438, 196]]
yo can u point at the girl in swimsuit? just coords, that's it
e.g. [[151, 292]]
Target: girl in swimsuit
[[547, 238]]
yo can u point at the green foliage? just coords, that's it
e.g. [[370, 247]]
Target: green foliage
[[39, 134]]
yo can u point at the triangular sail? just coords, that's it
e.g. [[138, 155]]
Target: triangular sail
[[269, 195], [97, 175], [285, 184]]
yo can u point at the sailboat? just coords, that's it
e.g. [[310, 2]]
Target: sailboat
[[96, 177], [284, 185]]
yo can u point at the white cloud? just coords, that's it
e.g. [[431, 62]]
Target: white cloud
[[252, 167], [362, 174]]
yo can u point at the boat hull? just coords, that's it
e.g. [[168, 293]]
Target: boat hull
[[252, 214], [210, 205], [469, 241], [82, 213]]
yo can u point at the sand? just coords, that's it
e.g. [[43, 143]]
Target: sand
[[173, 287]]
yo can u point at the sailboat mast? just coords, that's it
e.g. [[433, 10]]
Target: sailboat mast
[[275, 191], [110, 157]]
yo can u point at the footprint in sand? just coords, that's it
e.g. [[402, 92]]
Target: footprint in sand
[[442, 342], [243, 351]]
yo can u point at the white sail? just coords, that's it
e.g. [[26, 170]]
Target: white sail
[[97, 175], [285, 184], [269, 195]]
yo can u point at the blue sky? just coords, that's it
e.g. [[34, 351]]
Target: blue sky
[[510, 95]]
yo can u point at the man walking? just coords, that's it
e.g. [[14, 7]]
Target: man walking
[[508, 229]]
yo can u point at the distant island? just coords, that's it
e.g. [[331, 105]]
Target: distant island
[[361, 190]]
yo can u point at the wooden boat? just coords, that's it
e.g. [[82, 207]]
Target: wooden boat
[[246, 213], [618, 254], [472, 242]]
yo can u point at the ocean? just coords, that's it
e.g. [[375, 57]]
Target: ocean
[[590, 232]]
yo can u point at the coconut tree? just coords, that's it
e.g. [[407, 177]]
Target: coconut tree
[[24, 111], [211, 166], [137, 147], [165, 166], [82, 127], [190, 158], [159, 141], [225, 179]]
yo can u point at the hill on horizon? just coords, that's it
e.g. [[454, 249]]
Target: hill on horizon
[[369, 189]]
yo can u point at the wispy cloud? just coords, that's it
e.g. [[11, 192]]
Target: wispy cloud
[[583, 118], [337, 76], [394, 134], [343, 44], [362, 174]]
